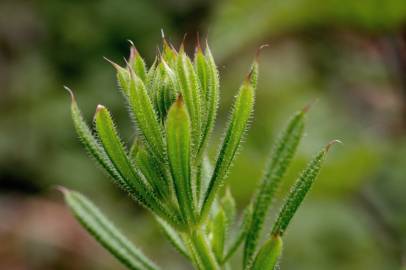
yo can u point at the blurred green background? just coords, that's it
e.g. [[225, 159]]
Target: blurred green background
[[350, 55]]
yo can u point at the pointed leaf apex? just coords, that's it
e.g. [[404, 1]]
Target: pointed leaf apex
[[133, 52], [259, 50], [310, 105], [72, 96], [198, 46], [328, 146], [182, 45], [179, 100], [62, 189], [115, 65]]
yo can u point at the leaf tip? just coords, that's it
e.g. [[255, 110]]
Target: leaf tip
[[331, 143], [179, 100], [310, 105], [198, 45], [99, 107], [72, 96], [259, 50], [182, 45], [115, 65]]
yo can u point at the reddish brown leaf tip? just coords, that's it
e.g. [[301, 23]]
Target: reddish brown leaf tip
[[182, 44], [260, 48], [179, 100], [198, 46], [133, 52], [72, 96], [310, 105], [328, 146]]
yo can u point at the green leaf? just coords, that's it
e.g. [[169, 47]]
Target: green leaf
[[189, 87], [243, 107], [281, 156], [209, 80], [229, 206], [90, 142], [205, 257], [117, 154], [179, 144], [153, 173], [145, 116], [163, 91], [269, 254], [169, 54], [97, 151], [299, 191], [106, 233], [219, 230], [123, 77], [137, 64]]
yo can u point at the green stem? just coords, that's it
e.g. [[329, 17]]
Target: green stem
[[200, 252]]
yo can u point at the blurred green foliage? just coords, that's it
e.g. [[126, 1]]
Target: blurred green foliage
[[350, 55]]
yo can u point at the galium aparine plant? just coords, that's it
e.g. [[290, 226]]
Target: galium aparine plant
[[167, 170]]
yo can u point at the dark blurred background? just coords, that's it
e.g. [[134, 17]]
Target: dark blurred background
[[350, 55]]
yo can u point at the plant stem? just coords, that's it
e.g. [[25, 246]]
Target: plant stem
[[200, 252]]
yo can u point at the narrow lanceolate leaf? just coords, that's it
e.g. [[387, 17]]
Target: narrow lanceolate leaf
[[145, 116], [243, 107], [209, 80], [89, 141], [173, 237], [179, 143], [123, 76], [163, 91], [106, 233], [269, 254], [299, 191], [219, 231], [137, 64], [169, 54], [96, 150], [190, 89], [153, 173], [229, 206], [115, 150], [255, 67], [281, 156], [205, 257]]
